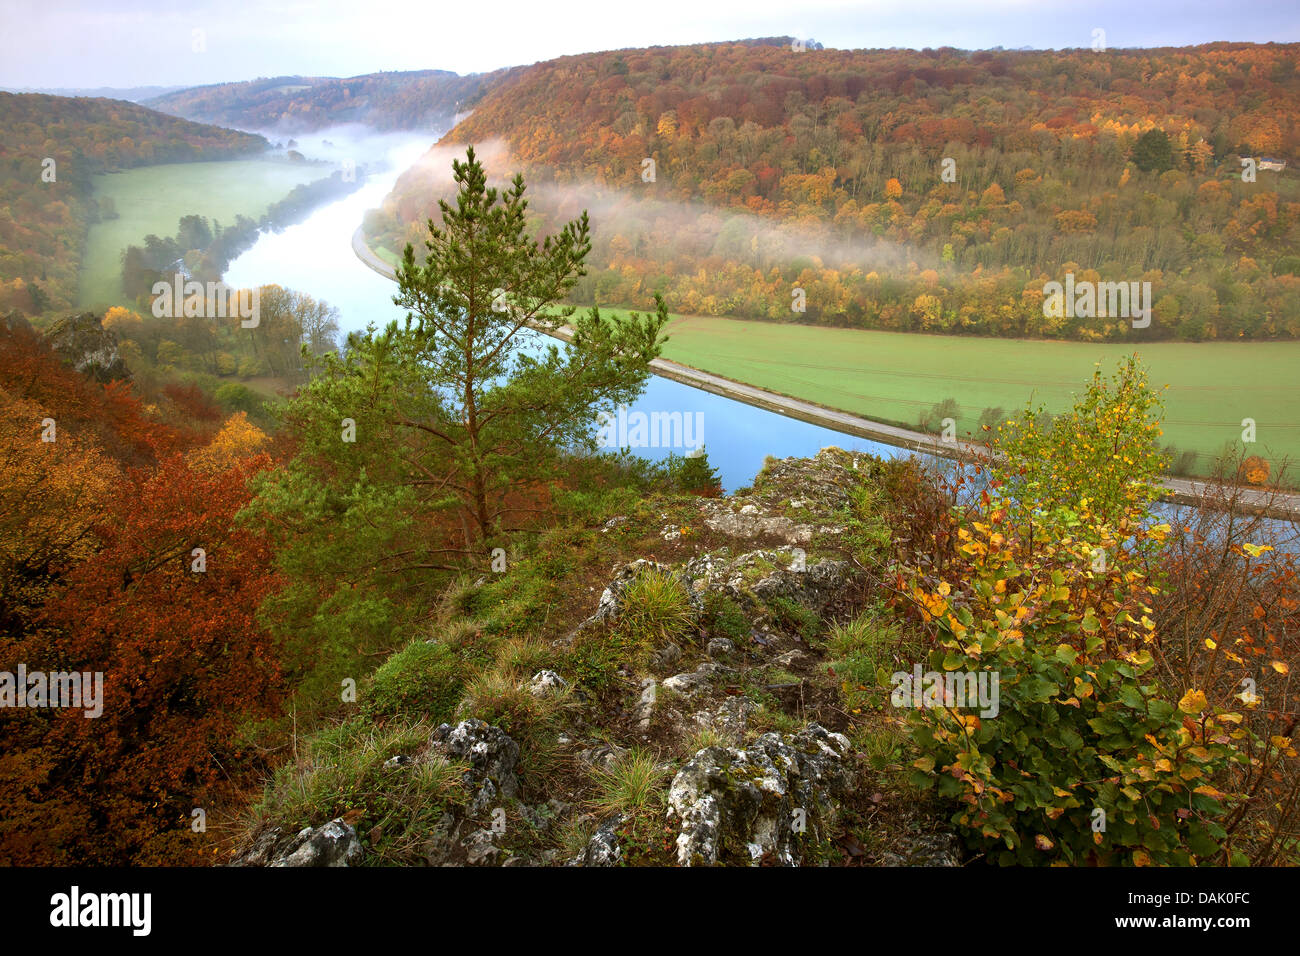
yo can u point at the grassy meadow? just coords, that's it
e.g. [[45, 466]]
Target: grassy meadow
[[150, 199], [388, 255], [896, 377]]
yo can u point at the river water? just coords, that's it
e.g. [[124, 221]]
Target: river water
[[316, 257]]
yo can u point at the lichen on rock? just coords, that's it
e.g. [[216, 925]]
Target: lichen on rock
[[757, 803]]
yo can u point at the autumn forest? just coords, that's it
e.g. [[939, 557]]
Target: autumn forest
[[827, 172]]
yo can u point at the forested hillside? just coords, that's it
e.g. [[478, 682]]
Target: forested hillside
[[927, 191], [98, 567], [294, 104], [51, 148]]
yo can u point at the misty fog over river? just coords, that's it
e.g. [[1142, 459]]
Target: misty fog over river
[[316, 257]]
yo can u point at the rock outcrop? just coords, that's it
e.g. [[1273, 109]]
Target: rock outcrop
[[603, 848], [712, 741], [334, 844], [793, 500], [84, 343], [492, 757], [756, 803]]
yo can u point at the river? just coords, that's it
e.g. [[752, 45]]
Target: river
[[316, 257]]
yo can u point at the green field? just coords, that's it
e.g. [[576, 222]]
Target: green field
[[895, 377], [150, 199]]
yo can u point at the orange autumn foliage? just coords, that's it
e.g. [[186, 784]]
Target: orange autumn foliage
[[99, 574]]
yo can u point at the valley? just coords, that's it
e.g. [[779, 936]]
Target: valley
[[151, 199]]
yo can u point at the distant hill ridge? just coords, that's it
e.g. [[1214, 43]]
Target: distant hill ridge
[[297, 104], [132, 94], [410, 99]]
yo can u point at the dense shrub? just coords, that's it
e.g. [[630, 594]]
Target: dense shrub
[[1091, 752], [1082, 725], [423, 678]]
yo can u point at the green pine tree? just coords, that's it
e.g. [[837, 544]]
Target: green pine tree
[[695, 475], [509, 407]]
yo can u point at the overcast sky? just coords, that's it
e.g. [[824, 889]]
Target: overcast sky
[[123, 43]]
